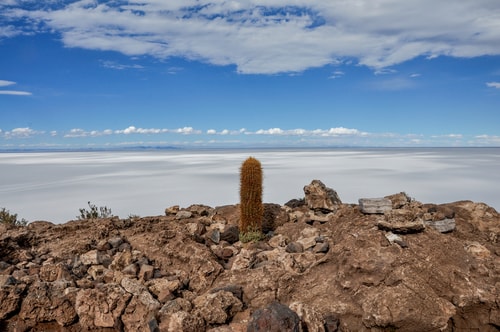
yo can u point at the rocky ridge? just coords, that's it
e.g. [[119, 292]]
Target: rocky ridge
[[387, 264]]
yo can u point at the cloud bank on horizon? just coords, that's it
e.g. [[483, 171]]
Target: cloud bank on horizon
[[305, 34], [272, 137]]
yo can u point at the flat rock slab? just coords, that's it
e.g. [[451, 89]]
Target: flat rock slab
[[375, 205], [401, 227], [442, 226]]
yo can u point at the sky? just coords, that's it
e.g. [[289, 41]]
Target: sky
[[196, 73]]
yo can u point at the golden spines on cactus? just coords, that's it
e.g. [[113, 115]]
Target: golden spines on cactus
[[251, 207]]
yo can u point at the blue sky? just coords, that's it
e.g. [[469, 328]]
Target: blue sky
[[249, 73]]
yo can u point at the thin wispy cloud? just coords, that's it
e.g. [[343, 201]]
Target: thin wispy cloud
[[4, 83], [119, 66], [495, 85], [272, 36]]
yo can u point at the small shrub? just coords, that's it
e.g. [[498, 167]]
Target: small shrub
[[11, 218], [94, 212], [252, 236]]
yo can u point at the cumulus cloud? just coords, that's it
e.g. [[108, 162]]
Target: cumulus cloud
[[495, 85], [274, 36], [24, 132]]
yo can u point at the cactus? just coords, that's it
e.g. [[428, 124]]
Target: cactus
[[251, 208]]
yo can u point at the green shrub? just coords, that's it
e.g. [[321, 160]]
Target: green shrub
[[251, 207], [94, 212], [11, 218]]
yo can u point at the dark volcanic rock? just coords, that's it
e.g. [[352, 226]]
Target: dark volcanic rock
[[276, 317]]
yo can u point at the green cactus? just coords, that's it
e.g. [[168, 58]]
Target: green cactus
[[251, 207]]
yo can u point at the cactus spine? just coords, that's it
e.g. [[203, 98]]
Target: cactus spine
[[251, 208]]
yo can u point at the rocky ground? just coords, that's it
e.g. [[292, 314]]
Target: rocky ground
[[390, 264]]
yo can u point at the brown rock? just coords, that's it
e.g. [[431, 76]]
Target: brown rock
[[276, 317], [309, 317], [217, 308], [181, 321], [10, 296], [140, 313], [46, 302], [320, 197], [146, 272], [101, 307]]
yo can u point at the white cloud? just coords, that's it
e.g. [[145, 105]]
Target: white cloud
[[15, 93], [276, 36], [24, 132], [336, 74], [495, 85], [119, 66], [6, 83]]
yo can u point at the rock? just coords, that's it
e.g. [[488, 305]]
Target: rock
[[92, 257], [274, 216], [401, 227], [140, 313], [10, 296], [294, 247], [183, 214], [217, 308], [399, 200], [278, 241], [200, 210], [214, 235], [115, 242], [319, 217], [375, 205], [319, 197], [236, 290], [295, 203], [309, 317], [101, 307], [181, 321], [172, 210], [478, 250], [394, 238], [133, 286], [275, 317], [46, 302], [54, 272], [442, 226], [331, 323], [231, 234], [131, 270], [156, 286], [307, 242], [146, 272], [321, 248]]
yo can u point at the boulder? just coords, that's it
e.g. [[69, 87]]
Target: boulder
[[275, 317], [47, 302], [101, 307], [218, 307], [399, 200], [10, 295], [140, 313], [319, 197], [375, 205]]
